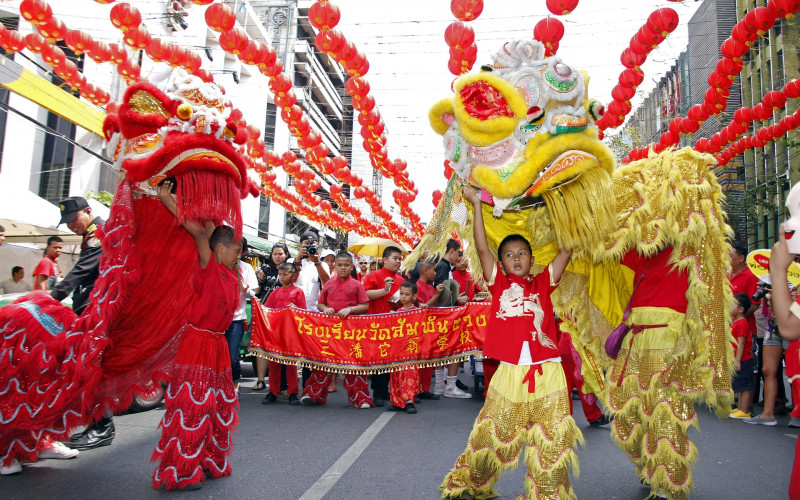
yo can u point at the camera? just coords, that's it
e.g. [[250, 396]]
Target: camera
[[763, 289], [312, 250]]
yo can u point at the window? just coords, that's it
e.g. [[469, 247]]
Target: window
[[263, 217], [269, 126]]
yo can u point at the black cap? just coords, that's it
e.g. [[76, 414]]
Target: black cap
[[308, 235], [70, 208]]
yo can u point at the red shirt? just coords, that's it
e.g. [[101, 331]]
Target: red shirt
[[521, 311], [745, 282], [465, 283], [425, 292], [662, 285], [374, 281], [338, 293], [46, 267], [740, 328], [284, 296], [217, 290]]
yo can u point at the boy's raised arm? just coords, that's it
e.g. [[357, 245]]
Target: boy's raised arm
[[559, 264], [479, 231], [192, 227]]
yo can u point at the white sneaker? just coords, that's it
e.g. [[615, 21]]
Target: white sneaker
[[58, 451], [451, 391], [14, 468], [364, 406], [438, 388]]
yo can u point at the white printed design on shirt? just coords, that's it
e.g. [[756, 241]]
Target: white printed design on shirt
[[514, 303]]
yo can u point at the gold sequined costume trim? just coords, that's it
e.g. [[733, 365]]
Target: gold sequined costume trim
[[651, 410], [513, 417]]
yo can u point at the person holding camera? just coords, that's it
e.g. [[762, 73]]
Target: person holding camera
[[786, 312], [313, 272]]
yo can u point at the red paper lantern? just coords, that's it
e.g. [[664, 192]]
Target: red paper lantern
[[697, 113], [364, 104], [437, 197], [459, 35], [35, 11], [774, 99], [78, 41], [330, 41], [663, 21], [13, 41], [53, 56], [125, 16], [763, 135], [467, 10], [622, 93], [631, 59], [631, 78], [718, 81], [561, 7], [286, 100], [66, 70], [784, 8], [792, 89], [742, 34], [220, 17], [129, 70], [324, 15], [744, 116], [35, 42], [234, 40], [549, 31], [52, 29], [729, 66], [100, 52], [280, 83], [647, 38], [759, 20], [733, 48], [118, 53], [159, 50], [137, 38], [761, 112]]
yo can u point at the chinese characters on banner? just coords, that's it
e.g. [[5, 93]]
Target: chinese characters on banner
[[372, 343]]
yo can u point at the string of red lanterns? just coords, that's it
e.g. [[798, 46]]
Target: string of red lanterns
[[460, 36], [756, 23]]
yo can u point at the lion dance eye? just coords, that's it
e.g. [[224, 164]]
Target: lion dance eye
[[185, 112], [535, 114]]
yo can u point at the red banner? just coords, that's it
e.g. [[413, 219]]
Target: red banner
[[374, 343]]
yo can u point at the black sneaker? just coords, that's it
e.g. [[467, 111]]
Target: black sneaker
[[461, 385], [293, 399], [101, 433], [269, 399], [410, 408], [379, 401], [575, 396], [428, 395], [603, 421]]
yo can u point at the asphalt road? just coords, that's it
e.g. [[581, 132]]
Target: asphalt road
[[293, 452]]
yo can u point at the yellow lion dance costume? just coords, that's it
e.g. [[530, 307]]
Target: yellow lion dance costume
[[649, 238]]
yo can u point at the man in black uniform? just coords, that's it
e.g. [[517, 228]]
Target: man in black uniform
[[77, 214]]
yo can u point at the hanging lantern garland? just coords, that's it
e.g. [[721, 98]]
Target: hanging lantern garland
[[460, 36], [744, 34]]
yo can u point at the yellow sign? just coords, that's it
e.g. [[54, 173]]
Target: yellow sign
[[758, 262], [41, 91]]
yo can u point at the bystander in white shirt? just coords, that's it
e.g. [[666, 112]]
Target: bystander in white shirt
[[247, 278]]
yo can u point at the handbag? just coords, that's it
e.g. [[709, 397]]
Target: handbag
[[614, 341]]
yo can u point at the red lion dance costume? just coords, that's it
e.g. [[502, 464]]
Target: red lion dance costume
[[59, 371]]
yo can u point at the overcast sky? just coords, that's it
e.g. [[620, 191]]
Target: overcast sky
[[404, 43]]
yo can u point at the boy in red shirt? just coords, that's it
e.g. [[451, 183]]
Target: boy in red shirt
[[527, 402], [48, 266], [382, 286], [743, 383], [405, 384], [287, 295], [342, 295], [426, 293], [466, 284], [200, 402]]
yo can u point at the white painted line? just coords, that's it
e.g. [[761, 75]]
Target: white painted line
[[793, 436], [337, 470]]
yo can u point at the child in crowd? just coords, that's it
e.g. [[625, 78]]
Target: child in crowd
[[466, 284], [527, 402], [200, 402], [288, 294], [382, 286], [426, 292], [341, 296], [743, 382], [405, 384]]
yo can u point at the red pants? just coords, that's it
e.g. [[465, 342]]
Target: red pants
[[425, 375], [201, 413], [275, 378], [404, 386], [355, 385]]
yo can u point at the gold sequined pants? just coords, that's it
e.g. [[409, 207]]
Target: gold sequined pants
[[513, 417], [651, 414]]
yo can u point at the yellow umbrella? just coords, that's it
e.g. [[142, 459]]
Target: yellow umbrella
[[374, 247]]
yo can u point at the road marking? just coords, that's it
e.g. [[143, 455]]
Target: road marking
[[793, 436], [337, 470]]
